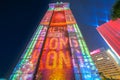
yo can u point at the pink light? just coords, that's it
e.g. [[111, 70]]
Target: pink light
[[95, 52]]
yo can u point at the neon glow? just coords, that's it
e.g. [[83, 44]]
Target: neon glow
[[95, 52], [56, 55], [57, 50]]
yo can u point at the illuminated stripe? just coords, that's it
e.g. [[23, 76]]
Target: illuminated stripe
[[27, 58]]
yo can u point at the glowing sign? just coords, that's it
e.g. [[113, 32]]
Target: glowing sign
[[55, 59], [95, 52], [56, 62], [58, 19], [56, 43]]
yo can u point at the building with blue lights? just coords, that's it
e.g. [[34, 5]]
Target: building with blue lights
[[57, 50]]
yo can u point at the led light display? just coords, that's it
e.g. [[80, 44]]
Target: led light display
[[95, 51], [57, 50], [110, 31]]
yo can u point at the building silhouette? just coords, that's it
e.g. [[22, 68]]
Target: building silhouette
[[57, 50]]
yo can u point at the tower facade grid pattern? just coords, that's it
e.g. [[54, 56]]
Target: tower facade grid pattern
[[57, 50]]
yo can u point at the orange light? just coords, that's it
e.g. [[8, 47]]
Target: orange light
[[63, 42], [64, 58], [51, 60], [53, 43], [38, 44]]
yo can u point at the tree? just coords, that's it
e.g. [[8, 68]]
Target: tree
[[116, 10]]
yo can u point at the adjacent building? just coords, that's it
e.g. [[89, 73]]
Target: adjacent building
[[106, 64], [110, 32]]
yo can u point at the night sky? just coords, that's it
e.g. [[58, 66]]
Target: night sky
[[20, 18]]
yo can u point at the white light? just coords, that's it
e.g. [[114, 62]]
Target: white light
[[100, 58], [112, 54], [108, 58]]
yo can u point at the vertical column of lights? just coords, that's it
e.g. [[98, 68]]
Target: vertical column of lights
[[75, 51], [84, 68], [89, 71], [26, 66], [55, 62], [73, 44]]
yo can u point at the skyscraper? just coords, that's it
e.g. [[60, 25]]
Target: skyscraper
[[110, 32], [57, 50], [106, 64]]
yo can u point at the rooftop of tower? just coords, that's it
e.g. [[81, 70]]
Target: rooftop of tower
[[63, 4]]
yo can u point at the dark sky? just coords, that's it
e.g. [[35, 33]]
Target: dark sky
[[20, 18]]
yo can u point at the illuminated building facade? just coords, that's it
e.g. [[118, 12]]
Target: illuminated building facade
[[105, 63], [57, 50], [110, 32]]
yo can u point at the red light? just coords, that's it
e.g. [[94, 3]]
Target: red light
[[110, 31]]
